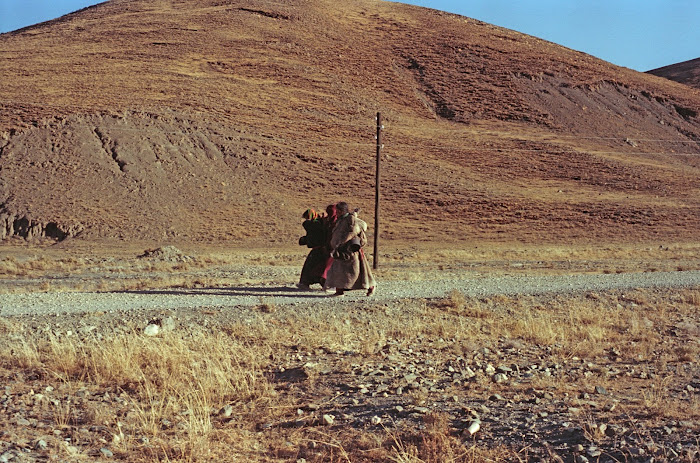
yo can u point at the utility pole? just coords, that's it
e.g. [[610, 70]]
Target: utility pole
[[375, 261]]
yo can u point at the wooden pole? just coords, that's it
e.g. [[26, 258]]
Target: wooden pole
[[375, 261]]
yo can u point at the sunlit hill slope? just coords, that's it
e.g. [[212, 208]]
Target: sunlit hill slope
[[222, 120]]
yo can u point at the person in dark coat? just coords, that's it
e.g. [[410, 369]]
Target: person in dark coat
[[315, 264], [329, 221]]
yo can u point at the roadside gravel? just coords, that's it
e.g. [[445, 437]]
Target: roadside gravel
[[37, 303]]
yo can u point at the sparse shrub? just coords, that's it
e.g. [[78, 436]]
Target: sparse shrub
[[689, 352], [266, 305], [439, 443], [456, 300], [9, 266], [8, 327], [692, 298]]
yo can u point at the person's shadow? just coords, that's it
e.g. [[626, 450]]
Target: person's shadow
[[260, 291]]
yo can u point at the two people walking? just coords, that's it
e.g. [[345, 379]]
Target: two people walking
[[318, 232], [341, 263]]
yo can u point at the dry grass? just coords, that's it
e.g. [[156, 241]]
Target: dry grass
[[584, 326], [168, 390], [437, 443], [37, 266], [181, 376]]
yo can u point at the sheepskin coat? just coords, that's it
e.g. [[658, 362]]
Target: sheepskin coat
[[354, 273]]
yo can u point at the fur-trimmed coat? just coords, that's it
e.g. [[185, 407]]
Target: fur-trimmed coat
[[354, 273]]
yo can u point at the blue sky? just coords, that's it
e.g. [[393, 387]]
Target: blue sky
[[15, 14], [638, 34]]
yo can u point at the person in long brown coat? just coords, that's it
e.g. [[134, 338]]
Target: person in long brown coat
[[350, 269], [329, 222]]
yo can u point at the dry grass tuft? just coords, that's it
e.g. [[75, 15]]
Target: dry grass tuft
[[266, 305], [177, 376], [692, 298], [438, 442]]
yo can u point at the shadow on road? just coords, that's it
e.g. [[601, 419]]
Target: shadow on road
[[260, 291]]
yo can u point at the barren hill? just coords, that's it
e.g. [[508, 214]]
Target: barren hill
[[687, 72], [223, 120]]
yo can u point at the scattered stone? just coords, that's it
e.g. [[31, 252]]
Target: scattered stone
[[167, 324], [87, 329], [226, 411], [23, 422], [151, 330], [71, 449], [528, 413]]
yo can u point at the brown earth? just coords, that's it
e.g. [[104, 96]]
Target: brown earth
[[222, 120], [687, 72]]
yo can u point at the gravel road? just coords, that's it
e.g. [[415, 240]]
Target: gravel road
[[37, 303]]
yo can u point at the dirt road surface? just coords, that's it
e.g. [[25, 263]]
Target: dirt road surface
[[249, 295]]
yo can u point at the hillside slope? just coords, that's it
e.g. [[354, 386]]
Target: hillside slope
[[687, 72], [223, 120]]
